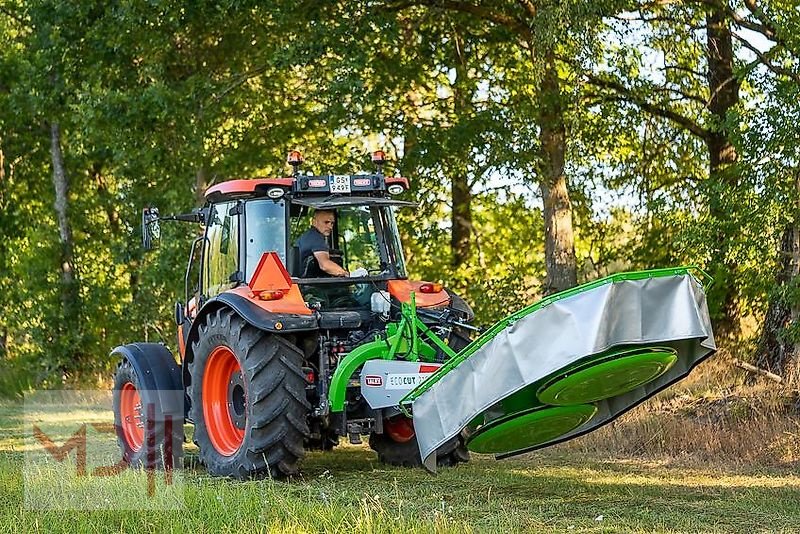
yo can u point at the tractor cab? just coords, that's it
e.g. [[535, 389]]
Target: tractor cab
[[252, 221], [246, 219]]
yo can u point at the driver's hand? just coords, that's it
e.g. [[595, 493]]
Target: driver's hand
[[359, 273]]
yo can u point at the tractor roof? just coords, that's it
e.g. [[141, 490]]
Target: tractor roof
[[357, 185], [243, 188]]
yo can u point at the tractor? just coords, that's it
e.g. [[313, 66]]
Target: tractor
[[275, 355]]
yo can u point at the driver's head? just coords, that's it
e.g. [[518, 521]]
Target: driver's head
[[323, 221]]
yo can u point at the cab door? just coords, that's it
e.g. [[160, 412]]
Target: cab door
[[221, 253]]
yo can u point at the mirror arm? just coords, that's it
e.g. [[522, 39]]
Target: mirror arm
[[151, 232], [195, 216]]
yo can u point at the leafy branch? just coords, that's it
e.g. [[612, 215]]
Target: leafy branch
[[629, 95]]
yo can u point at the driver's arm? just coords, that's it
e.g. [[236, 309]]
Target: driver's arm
[[328, 265]]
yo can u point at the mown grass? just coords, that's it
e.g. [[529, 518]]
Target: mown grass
[[348, 491]]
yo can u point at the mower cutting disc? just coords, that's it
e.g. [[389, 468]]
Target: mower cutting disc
[[625, 372], [530, 428]]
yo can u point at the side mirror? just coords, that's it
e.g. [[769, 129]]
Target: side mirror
[[180, 317], [151, 228]]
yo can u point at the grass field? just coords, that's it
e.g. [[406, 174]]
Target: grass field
[[348, 491]]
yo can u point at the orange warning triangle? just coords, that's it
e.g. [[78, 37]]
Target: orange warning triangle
[[270, 275]]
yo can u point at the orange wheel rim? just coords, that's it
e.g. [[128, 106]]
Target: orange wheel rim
[[400, 428], [223, 401], [130, 409]]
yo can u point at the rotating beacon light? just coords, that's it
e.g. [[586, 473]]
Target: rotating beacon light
[[379, 158], [295, 159]]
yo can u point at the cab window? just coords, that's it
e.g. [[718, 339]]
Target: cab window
[[358, 239], [221, 259], [265, 225]]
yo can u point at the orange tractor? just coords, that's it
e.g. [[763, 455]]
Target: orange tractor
[[278, 356]]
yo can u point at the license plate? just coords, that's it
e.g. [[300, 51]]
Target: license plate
[[340, 184]]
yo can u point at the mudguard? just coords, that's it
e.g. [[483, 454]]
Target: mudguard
[[261, 318], [157, 371], [567, 365], [460, 305]]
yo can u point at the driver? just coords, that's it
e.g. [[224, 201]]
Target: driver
[[314, 242]]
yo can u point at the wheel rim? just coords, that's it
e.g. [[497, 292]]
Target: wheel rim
[[400, 428], [132, 421], [224, 401]]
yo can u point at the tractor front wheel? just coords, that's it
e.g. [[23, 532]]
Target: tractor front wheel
[[248, 399], [146, 436], [397, 445]]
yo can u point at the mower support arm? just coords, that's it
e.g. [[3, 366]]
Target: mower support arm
[[368, 351], [403, 338]]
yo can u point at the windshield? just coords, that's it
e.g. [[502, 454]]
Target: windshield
[[364, 237], [265, 227], [358, 239]]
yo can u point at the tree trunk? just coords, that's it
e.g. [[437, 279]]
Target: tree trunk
[[778, 352], [69, 283], [559, 245], [3, 266], [460, 240], [723, 89], [461, 195], [106, 198]]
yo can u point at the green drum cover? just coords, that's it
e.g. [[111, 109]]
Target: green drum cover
[[529, 428], [622, 373]]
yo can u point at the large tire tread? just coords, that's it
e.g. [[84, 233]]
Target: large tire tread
[[275, 426], [407, 454]]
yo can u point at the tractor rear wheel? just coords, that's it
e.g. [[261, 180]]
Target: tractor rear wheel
[[146, 437], [248, 399], [398, 445]]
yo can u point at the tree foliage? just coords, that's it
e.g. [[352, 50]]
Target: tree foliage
[[510, 119]]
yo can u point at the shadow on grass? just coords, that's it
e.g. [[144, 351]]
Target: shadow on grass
[[537, 492]]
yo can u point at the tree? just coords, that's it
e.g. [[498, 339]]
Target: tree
[[705, 105], [773, 156], [540, 36]]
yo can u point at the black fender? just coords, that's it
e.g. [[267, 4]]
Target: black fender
[[460, 305], [157, 371], [278, 323], [264, 319]]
